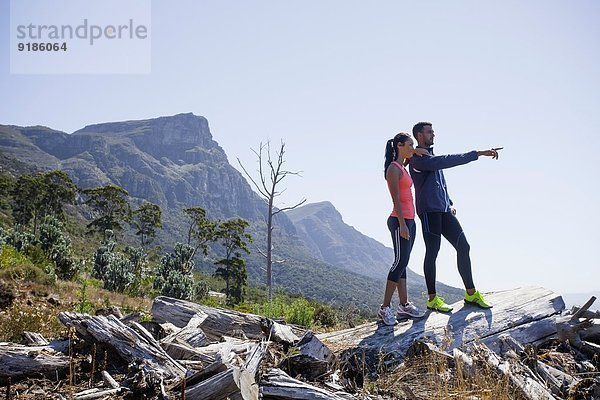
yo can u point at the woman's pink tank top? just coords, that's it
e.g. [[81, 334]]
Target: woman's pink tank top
[[406, 198]]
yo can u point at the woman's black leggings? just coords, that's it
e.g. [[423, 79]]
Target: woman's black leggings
[[438, 224], [402, 248]]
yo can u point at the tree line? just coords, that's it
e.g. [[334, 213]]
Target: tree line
[[37, 205]]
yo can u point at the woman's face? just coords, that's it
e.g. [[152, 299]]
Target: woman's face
[[405, 150]]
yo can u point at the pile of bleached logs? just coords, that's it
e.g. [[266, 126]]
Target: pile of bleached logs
[[505, 339], [193, 351]]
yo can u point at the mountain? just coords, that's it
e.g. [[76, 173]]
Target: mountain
[[170, 161], [175, 162]]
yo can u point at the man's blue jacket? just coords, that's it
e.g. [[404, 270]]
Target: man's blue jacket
[[431, 192]]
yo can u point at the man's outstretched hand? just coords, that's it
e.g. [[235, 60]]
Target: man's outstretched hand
[[490, 153]]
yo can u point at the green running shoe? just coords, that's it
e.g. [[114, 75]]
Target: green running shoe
[[438, 304], [477, 299]]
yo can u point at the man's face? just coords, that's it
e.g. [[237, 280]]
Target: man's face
[[427, 136]]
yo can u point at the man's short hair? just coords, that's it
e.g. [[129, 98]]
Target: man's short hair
[[419, 127]]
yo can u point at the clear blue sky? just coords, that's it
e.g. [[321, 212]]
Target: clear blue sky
[[336, 79]]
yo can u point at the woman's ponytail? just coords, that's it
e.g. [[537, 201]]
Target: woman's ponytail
[[391, 147], [390, 155]]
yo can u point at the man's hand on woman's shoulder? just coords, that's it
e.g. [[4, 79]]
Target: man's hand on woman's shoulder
[[419, 152]]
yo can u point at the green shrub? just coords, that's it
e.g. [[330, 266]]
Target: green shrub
[[300, 312], [202, 289], [27, 272], [10, 257], [174, 277], [276, 308], [84, 305], [325, 316], [244, 307]]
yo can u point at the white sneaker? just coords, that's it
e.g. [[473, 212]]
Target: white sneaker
[[387, 315], [409, 311]]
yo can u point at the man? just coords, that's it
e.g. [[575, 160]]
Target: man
[[438, 218]]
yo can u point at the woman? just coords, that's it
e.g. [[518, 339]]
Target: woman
[[401, 224]]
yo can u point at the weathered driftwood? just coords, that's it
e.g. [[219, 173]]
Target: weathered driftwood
[[587, 313], [249, 373], [308, 367], [519, 375], [223, 360], [109, 380], [132, 345], [183, 352], [313, 360], [310, 345], [526, 314], [97, 394], [507, 343], [279, 333], [571, 329], [425, 348], [216, 322], [201, 375], [464, 362], [558, 381], [207, 354], [34, 339], [235, 382], [17, 361], [276, 384], [591, 333], [591, 349], [219, 387], [191, 334], [579, 313]]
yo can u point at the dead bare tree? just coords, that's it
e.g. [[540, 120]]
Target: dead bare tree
[[270, 174]]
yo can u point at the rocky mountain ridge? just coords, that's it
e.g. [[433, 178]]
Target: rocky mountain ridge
[[175, 162]]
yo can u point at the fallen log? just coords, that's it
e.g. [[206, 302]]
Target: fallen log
[[98, 394], [276, 384], [183, 352], [527, 314], [208, 353], [279, 333], [216, 322], [591, 349], [579, 313], [130, 344], [311, 346], [223, 360], [249, 373], [591, 333], [234, 382], [464, 363], [34, 339], [17, 362], [558, 381], [191, 335], [519, 375], [109, 380], [312, 361]]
